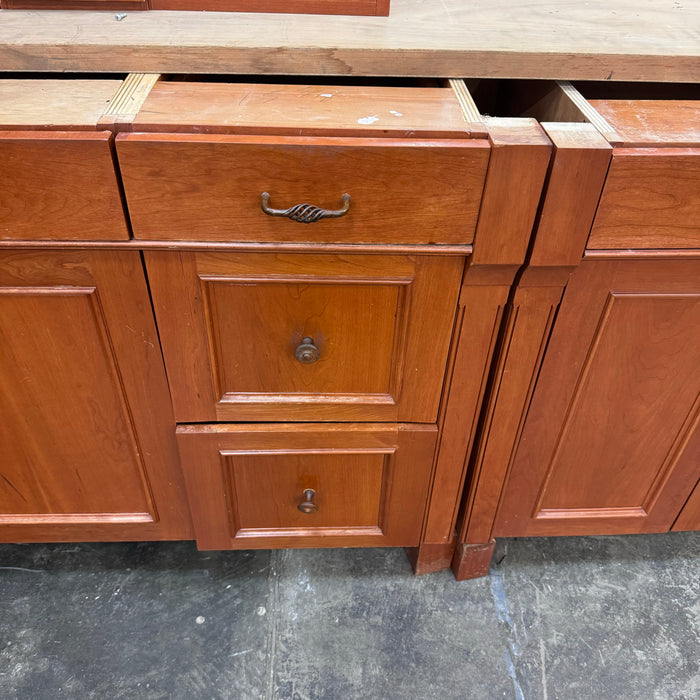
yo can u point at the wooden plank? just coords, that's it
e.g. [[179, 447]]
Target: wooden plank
[[54, 104], [652, 122], [652, 40], [302, 110], [128, 101]]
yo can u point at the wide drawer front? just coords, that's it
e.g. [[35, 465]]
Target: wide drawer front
[[651, 199], [59, 186], [306, 485], [210, 187], [263, 336]]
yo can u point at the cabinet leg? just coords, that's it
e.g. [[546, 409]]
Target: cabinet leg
[[427, 558], [472, 560]]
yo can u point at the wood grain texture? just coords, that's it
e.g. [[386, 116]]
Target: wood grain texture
[[128, 100], [575, 180], [518, 166], [54, 104], [641, 123], [59, 185], [82, 5], [230, 325], [472, 560], [86, 424], [689, 518], [208, 187], [651, 200], [245, 483], [652, 40], [302, 110], [576, 175], [516, 174], [312, 7], [611, 442]]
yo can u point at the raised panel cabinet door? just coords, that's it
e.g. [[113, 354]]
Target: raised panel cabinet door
[[59, 185], [611, 442], [307, 485], [304, 336], [87, 433]]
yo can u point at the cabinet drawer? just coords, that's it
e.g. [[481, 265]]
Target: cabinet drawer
[[210, 187], [59, 186], [302, 336], [306, 485]]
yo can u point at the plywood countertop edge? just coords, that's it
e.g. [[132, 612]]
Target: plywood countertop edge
[[635, 40]]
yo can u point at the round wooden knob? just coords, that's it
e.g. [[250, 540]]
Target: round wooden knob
[[307, 353], [308, 505]]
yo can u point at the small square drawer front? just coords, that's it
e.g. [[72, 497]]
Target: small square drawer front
[[279, 337], [307, 485], [210, 187], [59, 186], [651, 197]]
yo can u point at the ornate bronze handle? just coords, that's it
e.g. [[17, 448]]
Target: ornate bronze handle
[[305, 213], [307, 353], [308, 505]]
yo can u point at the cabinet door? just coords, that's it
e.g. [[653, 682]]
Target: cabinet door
[[87, 434], [303, 336], [611, 442], [292, 485]]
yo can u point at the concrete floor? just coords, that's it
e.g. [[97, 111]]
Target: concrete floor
[[602, 617]]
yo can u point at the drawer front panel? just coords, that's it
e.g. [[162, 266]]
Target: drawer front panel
[[651, 200], [209, 187], [307, 485], [59, 186], [235, 329]]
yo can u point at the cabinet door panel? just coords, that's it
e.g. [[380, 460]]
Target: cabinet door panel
[[231, 326], [87, 435], [611, 440], [248, 484]]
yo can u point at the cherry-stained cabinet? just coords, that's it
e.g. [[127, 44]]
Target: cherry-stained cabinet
[[612, 439], [86, 428], [593, 422]]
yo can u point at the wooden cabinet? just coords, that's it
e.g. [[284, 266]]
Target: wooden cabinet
[[593, 422], [85, 420], [327, 368], [612, 442]]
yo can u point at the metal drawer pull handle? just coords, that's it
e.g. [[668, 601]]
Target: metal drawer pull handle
[[307, 353], [308, 505], [305, 213]]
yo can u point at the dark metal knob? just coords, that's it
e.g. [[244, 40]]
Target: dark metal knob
[[308, 505], [307, 353]]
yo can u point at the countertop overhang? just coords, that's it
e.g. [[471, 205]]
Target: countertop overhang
[[630, 40]]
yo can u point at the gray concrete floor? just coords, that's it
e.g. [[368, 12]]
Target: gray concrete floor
[[601, 617]]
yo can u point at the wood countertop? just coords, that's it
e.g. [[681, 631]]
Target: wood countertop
[[644, 40]]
